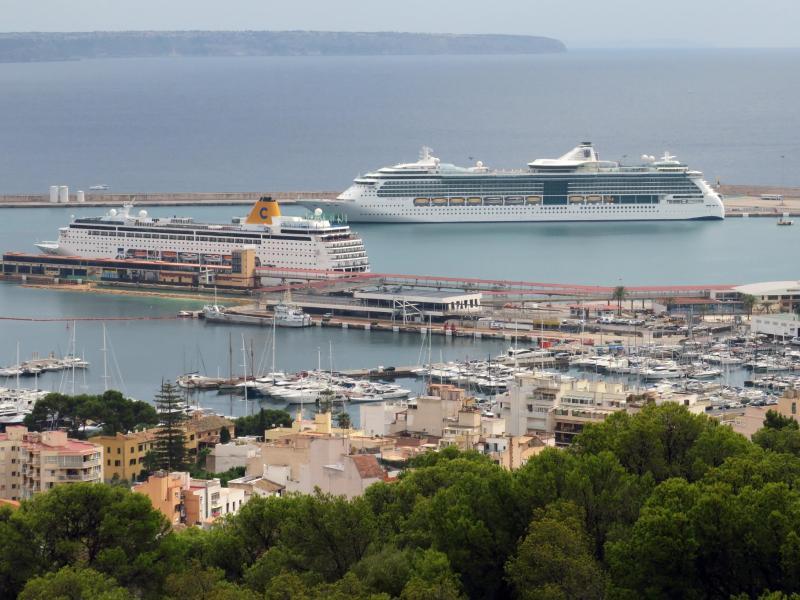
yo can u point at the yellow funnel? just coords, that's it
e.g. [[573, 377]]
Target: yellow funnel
[[263, 211]]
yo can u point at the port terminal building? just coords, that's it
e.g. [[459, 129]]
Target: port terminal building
[[418, 305], [784, 325], [33, 268]]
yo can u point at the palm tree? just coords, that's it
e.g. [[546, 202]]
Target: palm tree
[[748, 302], [343, 420], [619, 295]]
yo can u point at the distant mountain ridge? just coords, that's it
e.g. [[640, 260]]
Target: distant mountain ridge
[[35, 46]]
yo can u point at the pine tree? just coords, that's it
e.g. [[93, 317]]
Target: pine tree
[[170, 449]]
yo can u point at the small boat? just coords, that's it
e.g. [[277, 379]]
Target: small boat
[[99, 187], [785, 222]]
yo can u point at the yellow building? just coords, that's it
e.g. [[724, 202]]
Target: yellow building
[[125, 452], [322, 423], [202, 430]]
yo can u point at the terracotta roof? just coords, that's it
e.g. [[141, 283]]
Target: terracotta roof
[[12, 503], [208, 423], [72, 446], [367, 466], [267, 485]]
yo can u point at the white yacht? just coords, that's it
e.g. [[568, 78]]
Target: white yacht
[[577, 186], [279, 241], [289, 316]]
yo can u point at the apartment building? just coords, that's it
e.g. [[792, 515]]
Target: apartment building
[[124, 453], [33, 462], [183, 499], [559, 405], [235, 453], [165, 491], [336, 464]]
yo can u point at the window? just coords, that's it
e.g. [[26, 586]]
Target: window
[[117, 463]]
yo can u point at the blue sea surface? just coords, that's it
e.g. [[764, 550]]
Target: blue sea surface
[[313, 123]]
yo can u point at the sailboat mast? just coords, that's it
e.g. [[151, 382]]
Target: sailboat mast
[[244, 369], [273, 348], [230, 357], [18, 365], [74, 354], [105, 360]]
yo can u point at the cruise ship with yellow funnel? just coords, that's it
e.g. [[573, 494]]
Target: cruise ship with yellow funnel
[[278, 241]]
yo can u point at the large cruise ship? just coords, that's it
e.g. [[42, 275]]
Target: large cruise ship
[[278, 241], [578, 186]]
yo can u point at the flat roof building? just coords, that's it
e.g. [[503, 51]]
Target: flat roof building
[[784, 325], [33, 462], [417, 304]]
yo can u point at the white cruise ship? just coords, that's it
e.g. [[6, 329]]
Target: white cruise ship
[[578, 186], [278, 241]]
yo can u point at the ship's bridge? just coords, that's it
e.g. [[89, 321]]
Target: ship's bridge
[[583, 157]]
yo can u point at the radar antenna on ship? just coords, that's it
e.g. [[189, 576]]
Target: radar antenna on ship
[[425, 153]]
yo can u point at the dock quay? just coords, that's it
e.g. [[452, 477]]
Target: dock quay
[[101, 198]]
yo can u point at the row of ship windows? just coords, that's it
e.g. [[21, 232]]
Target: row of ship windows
[[455, 192], [235, 243], [470, 202], [183, 238], [539, 181]]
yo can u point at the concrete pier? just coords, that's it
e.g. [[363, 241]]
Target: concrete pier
[[160, 198]]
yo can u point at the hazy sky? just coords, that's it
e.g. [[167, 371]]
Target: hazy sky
[[579, 23]]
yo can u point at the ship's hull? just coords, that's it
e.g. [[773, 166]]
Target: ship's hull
[[403, 210]]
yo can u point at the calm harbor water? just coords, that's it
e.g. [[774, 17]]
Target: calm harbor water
[[294, 123], [315, 122], [144, 352]]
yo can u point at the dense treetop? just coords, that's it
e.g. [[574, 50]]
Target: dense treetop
[[662, 504]]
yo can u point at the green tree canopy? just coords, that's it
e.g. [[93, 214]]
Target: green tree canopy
[[71, 583], [110, 409], [555, 560], [170, 447], [264, 419], [106, 528], [663, 441]]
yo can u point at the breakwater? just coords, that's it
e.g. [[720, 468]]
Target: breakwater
[[160, 198]]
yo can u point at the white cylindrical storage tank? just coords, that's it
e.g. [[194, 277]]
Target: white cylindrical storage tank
[[80, 196], [54, 193], [63, 194]]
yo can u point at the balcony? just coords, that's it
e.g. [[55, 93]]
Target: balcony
[[87, 476]]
